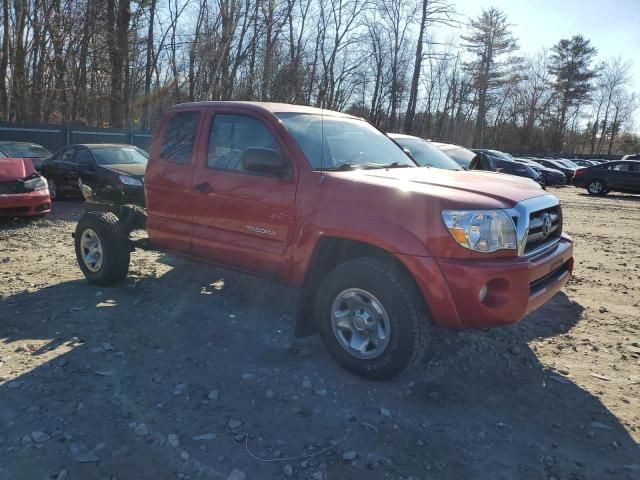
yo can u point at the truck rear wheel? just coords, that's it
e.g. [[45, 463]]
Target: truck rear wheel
[[102, 248], [372, 318]]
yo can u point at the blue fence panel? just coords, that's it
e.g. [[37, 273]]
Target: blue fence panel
[[51, 137], [54, 137]]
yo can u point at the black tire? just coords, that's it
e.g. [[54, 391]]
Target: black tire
[[115, 248], [406, 310], [597, 187], [54, 191]]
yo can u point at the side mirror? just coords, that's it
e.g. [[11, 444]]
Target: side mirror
[[264, 161]]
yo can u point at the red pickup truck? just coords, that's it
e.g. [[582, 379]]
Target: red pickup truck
[[378, 248]]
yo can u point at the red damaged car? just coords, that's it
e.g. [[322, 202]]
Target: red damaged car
[[23, 191]]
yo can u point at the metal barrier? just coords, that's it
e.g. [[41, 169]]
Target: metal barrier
[[54, 137]]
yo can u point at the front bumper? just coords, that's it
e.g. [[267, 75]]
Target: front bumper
[[515, 286], [118, 194], [579, 181], [556, 179], [25, 204]]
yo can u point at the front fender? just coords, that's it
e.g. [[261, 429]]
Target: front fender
[[362, 228]]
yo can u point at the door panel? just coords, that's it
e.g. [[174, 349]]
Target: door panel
[[632, 178], [242, 220], [616, 176], [63, 170], [168, 180], [87, 170]]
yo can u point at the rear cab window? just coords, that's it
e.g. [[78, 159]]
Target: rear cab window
[[179, 138]]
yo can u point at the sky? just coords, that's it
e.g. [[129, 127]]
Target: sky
[[612, 26]]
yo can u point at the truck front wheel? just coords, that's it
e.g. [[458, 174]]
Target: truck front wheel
[[102, 248], [372, 318]]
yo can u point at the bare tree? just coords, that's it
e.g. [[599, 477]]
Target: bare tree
[[433, 12]]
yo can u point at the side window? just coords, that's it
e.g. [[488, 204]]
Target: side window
[[66, 155], [180, 137], [82, 157], [620, 167], [231, 135]]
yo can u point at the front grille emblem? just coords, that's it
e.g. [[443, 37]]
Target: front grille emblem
[[546, 225]]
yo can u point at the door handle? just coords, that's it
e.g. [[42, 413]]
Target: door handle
[[203, 188]]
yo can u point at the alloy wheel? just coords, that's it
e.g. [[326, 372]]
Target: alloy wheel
[[360, 323], [596, 187], [91, 250]]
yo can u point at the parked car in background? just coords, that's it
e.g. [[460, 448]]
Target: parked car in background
[[111, 172], [495, 161], [584, 163], [633, 156], [37, 153], [425, 154], [551, 176], [568, 171], [462, 156], [376, 248], [621, 176], [23, 191]]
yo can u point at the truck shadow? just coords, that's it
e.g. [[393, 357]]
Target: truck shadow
[[97, 362]]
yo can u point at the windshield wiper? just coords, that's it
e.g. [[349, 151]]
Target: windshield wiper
[[398, 165], [354, 166], [364, 166]]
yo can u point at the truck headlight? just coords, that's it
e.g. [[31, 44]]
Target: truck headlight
[[132, 182], [35, 184], [481, 230]]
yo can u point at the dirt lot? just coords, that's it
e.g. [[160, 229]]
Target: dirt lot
[[188, 371]]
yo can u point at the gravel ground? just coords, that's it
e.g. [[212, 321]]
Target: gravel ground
[[189, 371]]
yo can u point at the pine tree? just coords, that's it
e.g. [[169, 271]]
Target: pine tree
[[490, 40], [570, 64]]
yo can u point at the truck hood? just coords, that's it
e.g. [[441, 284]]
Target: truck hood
[[15, 169], [132, 169], [460, 189]]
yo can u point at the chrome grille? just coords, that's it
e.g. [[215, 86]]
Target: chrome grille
[[545, 229]]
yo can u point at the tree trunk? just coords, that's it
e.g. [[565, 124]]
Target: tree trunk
[[4, 62], [148, 73], [417, 65], [119, 43], [19, 55]]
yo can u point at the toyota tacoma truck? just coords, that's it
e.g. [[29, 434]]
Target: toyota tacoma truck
[[378, 249]]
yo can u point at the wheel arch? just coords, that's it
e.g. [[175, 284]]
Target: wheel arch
[[328, 252], [597, 179]]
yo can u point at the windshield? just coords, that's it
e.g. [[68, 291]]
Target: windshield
[[499, 155], [348, 143], [530, 163], [461, 155], [567, 163], [513, 166], [427, 155], [118, 155], [18, 150]]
